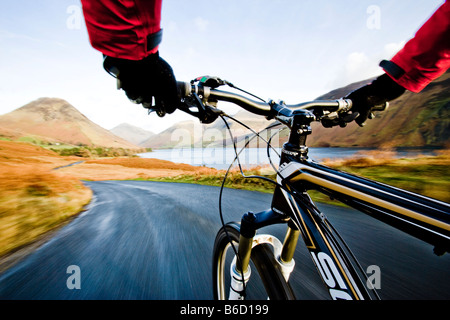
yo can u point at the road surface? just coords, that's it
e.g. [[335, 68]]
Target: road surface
[[153, 240]]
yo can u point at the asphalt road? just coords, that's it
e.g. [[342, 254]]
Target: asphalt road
[[153, 240]]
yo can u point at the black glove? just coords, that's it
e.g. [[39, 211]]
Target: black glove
[[364, 99], [145, 79]]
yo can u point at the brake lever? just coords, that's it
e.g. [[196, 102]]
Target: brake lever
[[152, 108], [205, 113]]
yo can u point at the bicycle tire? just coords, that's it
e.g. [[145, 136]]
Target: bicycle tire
[[262, 258]]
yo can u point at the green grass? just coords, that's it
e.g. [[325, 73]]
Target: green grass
[[82, 151], [427, 176], [432, 180], [89, 152], [234, 180], [32, 140]]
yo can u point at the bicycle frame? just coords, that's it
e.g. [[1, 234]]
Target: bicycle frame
[[420, 216]]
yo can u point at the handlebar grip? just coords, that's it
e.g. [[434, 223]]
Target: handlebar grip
[[184, 89]]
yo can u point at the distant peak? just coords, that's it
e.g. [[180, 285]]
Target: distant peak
[[57, 119], [53, 108]]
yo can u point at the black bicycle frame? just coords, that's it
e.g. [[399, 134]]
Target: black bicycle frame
[[424, 218]]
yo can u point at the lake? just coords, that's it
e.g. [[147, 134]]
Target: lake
[[220, 158]]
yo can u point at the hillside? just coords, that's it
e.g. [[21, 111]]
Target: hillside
[[181, 134], [132, 133], [413, 120], [55, 120]]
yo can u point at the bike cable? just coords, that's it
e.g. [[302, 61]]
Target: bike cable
[[286, 187], [237, 159], [242, 90]]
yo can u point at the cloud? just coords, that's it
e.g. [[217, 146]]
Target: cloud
[[201, 24], [360, 65], [391, 49]]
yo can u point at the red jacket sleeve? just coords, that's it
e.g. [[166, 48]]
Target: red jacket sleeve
[[426, 56], [121, 29]]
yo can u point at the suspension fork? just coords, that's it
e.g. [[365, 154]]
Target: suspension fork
[[289, 245], [240, 269]]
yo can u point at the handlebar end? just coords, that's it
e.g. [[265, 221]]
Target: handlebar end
[[184, 89]]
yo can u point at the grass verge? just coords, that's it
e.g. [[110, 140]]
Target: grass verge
[[429, 176], [426, 175], [33, 202], [34, 199], [234, 180]]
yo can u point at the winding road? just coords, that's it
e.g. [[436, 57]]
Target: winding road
[[153, 240]]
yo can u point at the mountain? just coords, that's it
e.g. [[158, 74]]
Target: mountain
[[192, 133], [55, 120], [132, 133], [182, 134], [413, 120]]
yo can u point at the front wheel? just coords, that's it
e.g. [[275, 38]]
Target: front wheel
[[266, 282]]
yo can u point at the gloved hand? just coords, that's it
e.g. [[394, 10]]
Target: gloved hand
[[364, 99], [143, 80]]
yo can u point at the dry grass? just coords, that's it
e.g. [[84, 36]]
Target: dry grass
[[33, 198], [364, 159], [152, 164], [388, 158], [132, 168]]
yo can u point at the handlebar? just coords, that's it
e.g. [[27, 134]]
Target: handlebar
[[204, 96], [206, 93]]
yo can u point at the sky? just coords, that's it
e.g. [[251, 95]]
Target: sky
[[291, 50]]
